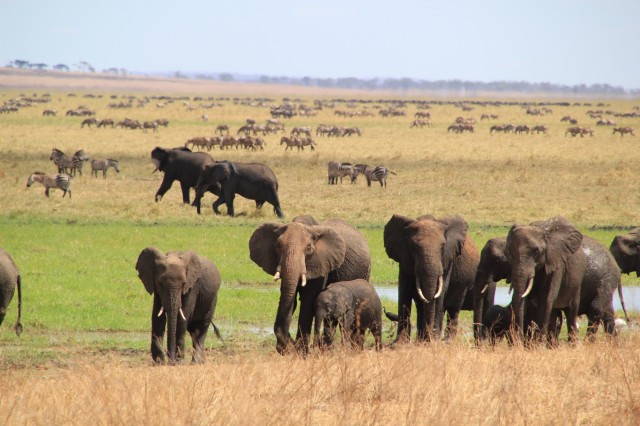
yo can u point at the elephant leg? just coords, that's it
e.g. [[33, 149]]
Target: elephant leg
[[185, 193], [329, 332], [422, 331], [404, 308], [229, 201], [307, 312], [158, 325], [452, 323], [552, 336], [217, 203], [198, 332], [181, 331]]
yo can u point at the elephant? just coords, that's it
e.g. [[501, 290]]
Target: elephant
[[493, 267], [498, 320], [185, 292], [355, 306], [307, 256], [254, 181], [10, 279], [438, 263], [626, 251], [179, 164], [554, 267]]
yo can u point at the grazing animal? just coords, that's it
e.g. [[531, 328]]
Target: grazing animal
[[68, 164], [149, 125], [106, 122], [222, 128], [60, 181], [539, 129], [291, 143], [337, 171], [379, 174], [296, 131], [101, 164], [89, 122], [623, 131]]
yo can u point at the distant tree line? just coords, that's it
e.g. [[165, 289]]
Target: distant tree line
[[389, 84]]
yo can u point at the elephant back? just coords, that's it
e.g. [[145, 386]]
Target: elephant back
[[357, 260]]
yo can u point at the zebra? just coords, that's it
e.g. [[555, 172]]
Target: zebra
[[68, 164], [101, 164], [378, 173], [357, 170], [337, 170], [61, 181]]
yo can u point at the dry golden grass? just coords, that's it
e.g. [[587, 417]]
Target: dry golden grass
[[442, 384]]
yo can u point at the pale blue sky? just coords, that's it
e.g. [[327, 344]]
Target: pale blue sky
[[564, 42]]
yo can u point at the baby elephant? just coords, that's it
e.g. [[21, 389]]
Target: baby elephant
[[355, 306]]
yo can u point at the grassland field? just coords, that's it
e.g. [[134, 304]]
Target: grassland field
[[86, 314]]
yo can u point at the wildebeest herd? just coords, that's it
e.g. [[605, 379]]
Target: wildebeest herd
[[554, 270]]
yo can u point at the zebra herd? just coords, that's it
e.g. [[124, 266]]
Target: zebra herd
[[336, 170], [67, 168]]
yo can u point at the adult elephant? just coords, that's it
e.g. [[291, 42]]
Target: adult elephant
[[554, 267], [493, 267], [254, 181], [626, 250], [9, 280], [179, 164], [438, 263], [307, 256], [185, 291]]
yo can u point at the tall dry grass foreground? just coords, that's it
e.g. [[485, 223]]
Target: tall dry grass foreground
[[441, 384]]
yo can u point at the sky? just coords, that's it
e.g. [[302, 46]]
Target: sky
[[561, 41]]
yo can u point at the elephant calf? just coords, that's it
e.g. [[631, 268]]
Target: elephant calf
[[355, 306]]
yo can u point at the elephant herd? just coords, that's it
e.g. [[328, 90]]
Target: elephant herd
[[224, 179], [551, 267]]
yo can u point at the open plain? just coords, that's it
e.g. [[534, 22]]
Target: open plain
[[84, 354]]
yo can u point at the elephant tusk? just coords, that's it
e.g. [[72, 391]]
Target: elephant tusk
[[440, 285], [424, 299], [484, 289], [529, 288], [161, 311], [276, 277], [182, 314], [304, 280]]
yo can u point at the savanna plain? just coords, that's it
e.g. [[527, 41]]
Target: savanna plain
[[84, 354]]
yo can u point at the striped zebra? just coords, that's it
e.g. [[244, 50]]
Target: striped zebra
[[102, 164], [68, 164], [337, 170], [358, 169], [60, 181], [379, 174]]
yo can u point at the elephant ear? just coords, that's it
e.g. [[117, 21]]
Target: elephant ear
[[329, 253], [262, 247], [221, 171], [395, 238], [306, 219], [146, 267], [562, 239], [455, 235], [192, 266]]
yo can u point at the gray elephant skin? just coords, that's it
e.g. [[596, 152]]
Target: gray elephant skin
[[493, 268], [438, 263], [626, 250], [554, 267], [355, 307], [253, 181], [307, 256], [9, 279], [179, 164], [185, 287]]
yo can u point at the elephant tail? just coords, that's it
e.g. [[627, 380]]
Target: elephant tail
[[393, 317], [624, 308], [18, 327], [215, 330]]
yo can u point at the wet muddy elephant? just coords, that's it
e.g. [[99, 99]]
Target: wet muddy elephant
[[307, 256], [555, 268], [438, 262]]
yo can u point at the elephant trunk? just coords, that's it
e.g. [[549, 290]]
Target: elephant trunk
[[291, 276], [428, 284], [172, 326], [522, 286]]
